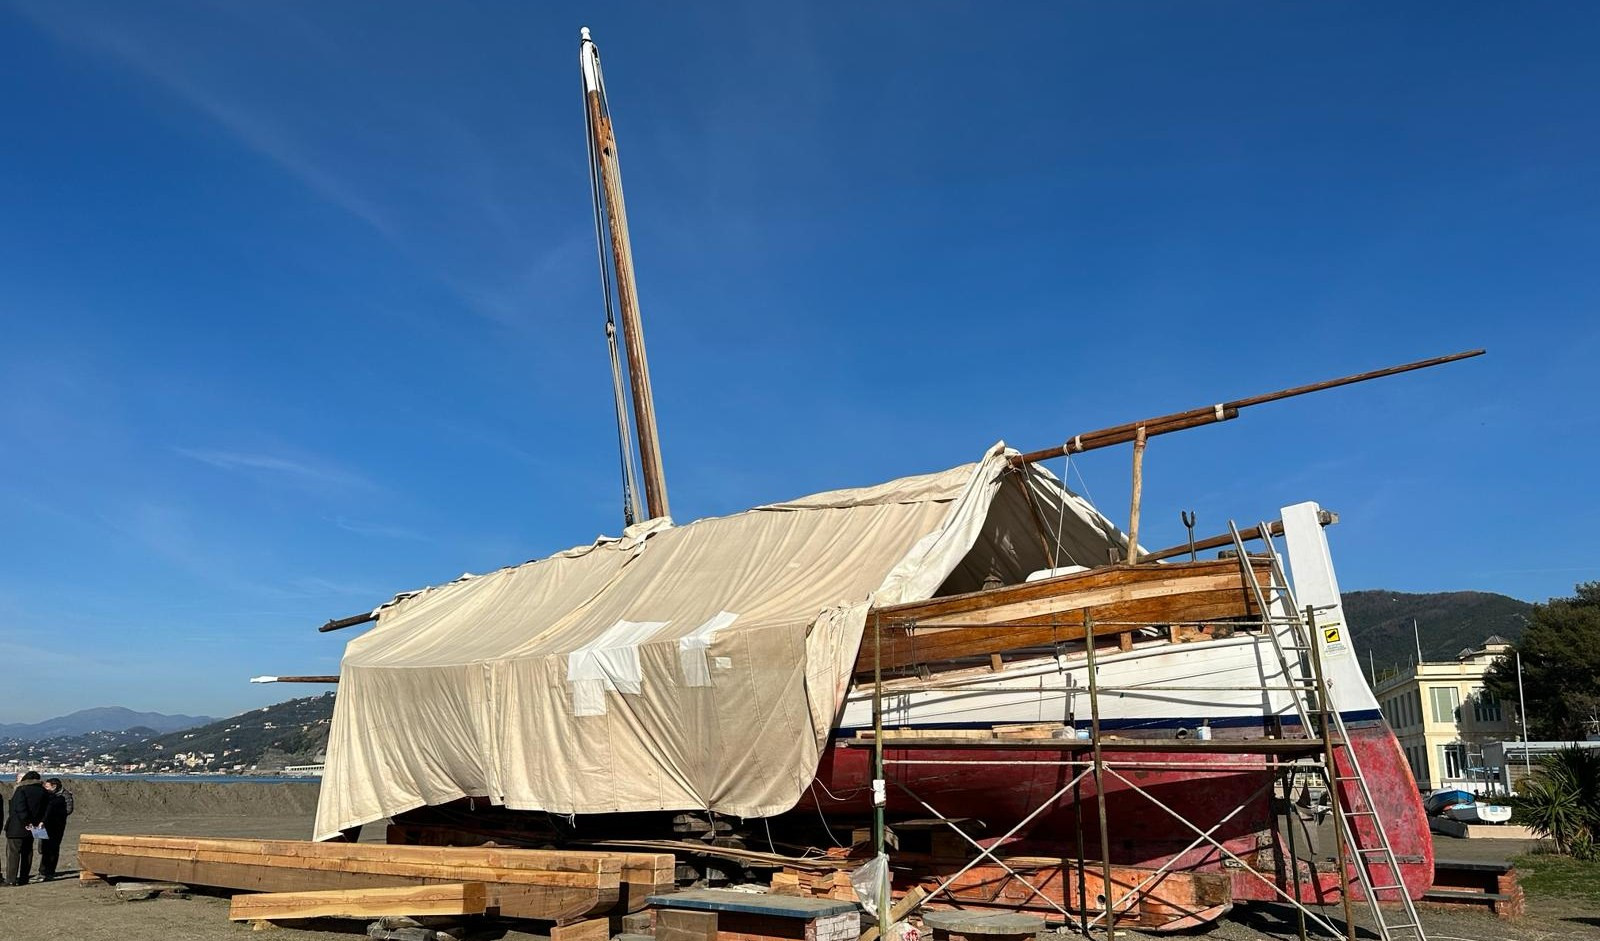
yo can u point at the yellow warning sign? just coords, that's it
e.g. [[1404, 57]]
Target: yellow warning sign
[[1330, 634]]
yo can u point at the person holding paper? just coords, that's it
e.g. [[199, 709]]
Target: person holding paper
[[28, 804], [54, 825]]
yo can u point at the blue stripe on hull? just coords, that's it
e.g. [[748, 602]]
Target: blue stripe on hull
[[1357, 716]]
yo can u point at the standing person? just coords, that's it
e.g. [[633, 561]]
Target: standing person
[[27, 811], [56, 810]]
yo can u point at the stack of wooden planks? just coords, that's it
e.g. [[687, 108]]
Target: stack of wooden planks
[[1163, 902], [805, 883], [559, 886]]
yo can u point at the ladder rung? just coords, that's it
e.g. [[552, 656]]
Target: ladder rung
[[1360, 813], [1386, 888]]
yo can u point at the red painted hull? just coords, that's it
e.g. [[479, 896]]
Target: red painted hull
[[1140, 833]]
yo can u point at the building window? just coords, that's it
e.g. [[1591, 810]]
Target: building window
[[1416, 706], [1450, 760], [1485, 706], [1446, 700]]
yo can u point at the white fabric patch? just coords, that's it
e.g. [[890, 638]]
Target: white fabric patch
[[692, 649], [609, 662]]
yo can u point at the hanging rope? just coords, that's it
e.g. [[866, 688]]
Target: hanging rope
[[630, 489]]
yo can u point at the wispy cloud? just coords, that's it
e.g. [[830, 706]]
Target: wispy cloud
[[315, 586], [177, 537], [463, 236], [258, 132], [383, 530], [275, 464]]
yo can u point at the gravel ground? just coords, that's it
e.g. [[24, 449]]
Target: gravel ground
[[66, 909]]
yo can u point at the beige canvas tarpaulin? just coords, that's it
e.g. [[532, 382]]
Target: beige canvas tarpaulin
[[675, 668]]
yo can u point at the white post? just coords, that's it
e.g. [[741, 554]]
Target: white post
[[1522, 714]]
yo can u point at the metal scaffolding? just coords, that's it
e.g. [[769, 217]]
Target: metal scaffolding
[[1284, 759]]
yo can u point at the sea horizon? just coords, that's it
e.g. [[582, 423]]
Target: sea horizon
[[178, 778]]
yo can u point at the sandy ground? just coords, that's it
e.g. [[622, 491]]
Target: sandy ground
[[66, 909]]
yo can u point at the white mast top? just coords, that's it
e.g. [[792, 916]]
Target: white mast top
[[588, 61]]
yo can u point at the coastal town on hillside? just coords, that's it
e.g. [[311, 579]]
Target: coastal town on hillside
[[286, 739]]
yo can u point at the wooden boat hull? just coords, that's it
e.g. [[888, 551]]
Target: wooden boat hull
[[1202, 788], [1445, 798]]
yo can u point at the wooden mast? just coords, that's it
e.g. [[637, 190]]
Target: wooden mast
[[604, 142]]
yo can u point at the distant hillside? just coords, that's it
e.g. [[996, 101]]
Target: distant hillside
[[83, 753], [292, 732], [103, 719], [1448, 622]]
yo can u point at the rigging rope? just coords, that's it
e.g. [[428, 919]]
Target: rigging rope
[[630, 489]]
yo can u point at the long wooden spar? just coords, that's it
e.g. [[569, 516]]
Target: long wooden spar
[[321, 678], [1139, 432], [1211, 414]]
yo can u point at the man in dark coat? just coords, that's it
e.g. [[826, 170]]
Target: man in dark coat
[[55, 827], [27, 810]]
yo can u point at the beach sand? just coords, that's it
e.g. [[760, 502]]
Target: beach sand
[[65, 909], [68, 910]]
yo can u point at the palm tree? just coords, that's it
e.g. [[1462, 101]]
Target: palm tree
[[1561, 801]]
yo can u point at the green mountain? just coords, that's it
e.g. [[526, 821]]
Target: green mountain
[[102, 719], [289, 733], [1447, 623]]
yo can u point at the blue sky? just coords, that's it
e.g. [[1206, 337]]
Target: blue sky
[[300, 310]]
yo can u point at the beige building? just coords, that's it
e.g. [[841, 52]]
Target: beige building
[[1444, 717]]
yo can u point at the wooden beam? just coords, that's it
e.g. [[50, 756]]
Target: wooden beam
[[461, 898], [523, 883], [904, 648], [395, 872], [1060, 586], [351, 621], [1049, 611], [1138, 493], [550, 903], [1325, 517], [323, 678], [1222, 411], [306, 853], [593, 929], [899, 910]]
